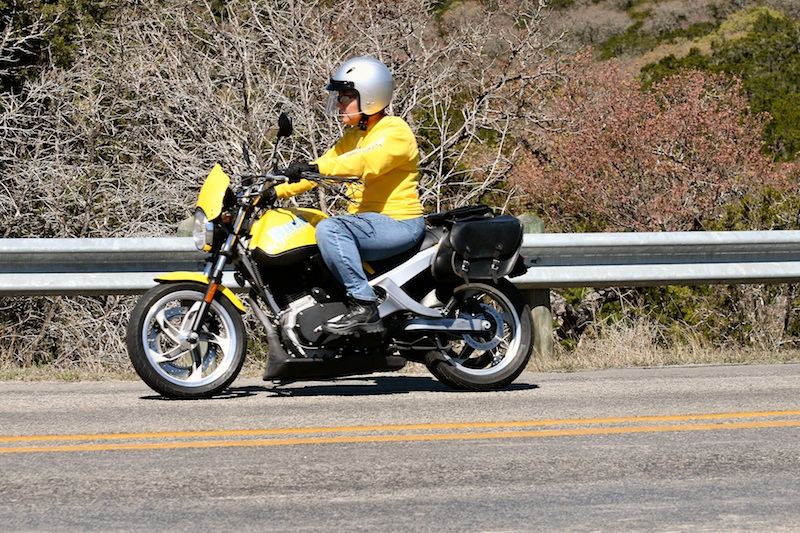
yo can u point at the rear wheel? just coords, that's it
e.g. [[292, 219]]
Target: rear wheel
[[492, 359], [160, 348]]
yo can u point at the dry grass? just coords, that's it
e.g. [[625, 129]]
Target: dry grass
[[619, 346], [73, 373], [635, 345]]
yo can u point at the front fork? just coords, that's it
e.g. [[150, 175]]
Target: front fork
[[213, 272]]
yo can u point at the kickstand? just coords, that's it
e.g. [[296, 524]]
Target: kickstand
[[278, 383]]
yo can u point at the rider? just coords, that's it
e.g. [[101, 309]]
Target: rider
[[386, 217]]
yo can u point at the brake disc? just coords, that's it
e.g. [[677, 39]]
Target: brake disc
[[492, 315]]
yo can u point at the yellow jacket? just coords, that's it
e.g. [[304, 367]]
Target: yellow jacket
[[386, 159]]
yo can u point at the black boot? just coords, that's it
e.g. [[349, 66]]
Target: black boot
[[361, 317]]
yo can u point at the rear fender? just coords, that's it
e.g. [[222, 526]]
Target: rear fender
[[173, 277]]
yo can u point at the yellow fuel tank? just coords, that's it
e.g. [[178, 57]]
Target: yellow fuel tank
[[282, 230]]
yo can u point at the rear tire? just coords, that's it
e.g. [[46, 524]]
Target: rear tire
[[157, 346], [492, 360]]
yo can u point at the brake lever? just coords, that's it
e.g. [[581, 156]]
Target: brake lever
[[325, 182]]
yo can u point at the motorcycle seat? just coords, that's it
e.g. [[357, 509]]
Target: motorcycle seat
[[430, 237]]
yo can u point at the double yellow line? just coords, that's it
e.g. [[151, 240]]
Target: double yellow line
[[396, 433]]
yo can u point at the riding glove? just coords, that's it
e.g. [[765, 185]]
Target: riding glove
[[295, 170]]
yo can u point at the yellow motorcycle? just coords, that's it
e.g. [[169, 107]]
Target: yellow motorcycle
[[446, 303]]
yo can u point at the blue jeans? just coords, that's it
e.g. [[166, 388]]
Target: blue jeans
[[345, 240]]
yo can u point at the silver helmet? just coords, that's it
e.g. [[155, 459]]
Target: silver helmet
[[369, 77]]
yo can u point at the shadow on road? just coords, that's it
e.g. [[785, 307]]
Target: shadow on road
[[370, 386], [350, 386]]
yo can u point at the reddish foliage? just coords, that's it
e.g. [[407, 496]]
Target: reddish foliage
[[627, 159]]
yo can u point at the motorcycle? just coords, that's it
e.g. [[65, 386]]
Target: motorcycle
[[446, 303]]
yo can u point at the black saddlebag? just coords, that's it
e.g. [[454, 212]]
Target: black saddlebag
[[487, 248]]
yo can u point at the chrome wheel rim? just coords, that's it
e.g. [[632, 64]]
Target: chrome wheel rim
[[166, 338], [498, 348]]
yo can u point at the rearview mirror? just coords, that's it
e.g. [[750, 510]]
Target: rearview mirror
[[284, 125]]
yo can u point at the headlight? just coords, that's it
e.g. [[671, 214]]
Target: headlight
[[203, 234]]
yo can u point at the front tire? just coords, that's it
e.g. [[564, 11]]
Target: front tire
[[491, 360], [158, 348]]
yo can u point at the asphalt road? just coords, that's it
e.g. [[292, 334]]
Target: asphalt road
[[709, 448]]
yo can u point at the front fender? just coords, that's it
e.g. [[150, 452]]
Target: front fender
[[200, 278]]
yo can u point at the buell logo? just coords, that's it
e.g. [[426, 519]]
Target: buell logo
[[284, 231]]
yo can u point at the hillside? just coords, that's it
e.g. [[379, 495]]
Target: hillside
[[638, 32]]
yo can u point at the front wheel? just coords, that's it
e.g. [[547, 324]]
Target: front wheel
[[494, 358], [159, 346]]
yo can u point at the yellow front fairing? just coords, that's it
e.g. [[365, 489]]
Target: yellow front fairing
[[281, 230], [200, 278], [212, 193]]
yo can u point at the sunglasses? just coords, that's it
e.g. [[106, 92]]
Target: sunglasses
[[345, 99]]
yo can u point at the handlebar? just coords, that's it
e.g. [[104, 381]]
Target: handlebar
[[257, 183], [325, 182], [311, 176]]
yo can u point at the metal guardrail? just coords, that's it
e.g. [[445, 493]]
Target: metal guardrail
[[657, 259], [30, 267], [35, 267]]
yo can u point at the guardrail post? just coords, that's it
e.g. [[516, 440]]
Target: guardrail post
[[539, 300]]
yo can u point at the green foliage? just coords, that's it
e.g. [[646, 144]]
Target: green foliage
[[633, 41], [770, 210], [671, 65], [767, 59], [636, 40], [574, 295], [694, 31]]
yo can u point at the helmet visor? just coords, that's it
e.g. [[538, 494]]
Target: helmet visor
[[331, 109], [333, 87]]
